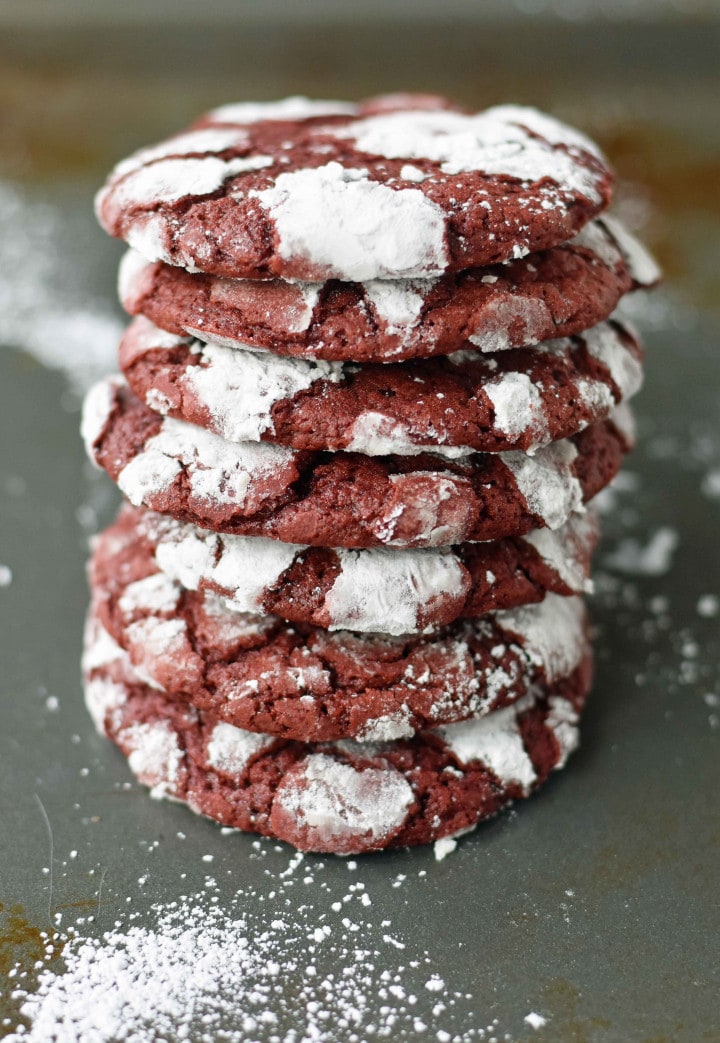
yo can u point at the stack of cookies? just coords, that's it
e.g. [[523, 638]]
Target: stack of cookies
[[371, 385]]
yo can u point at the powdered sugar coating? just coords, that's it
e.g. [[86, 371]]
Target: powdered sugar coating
[[258, 673], [97, 407], [155, 757], [168, 180], [218, 470], [316, 199], [390, 587], [231, 749], [339, 805], [262, 489], [518, 401], [644, 268], [345, 796], [363, 230], [244, 566], [296, 107], [508, 140], [208, 141], [393, 592], [553, 637], [240, 388], [517, 404], [495, 740], [546, 480], [558, 292]]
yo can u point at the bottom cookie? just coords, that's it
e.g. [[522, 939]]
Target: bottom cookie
[[343, 797]]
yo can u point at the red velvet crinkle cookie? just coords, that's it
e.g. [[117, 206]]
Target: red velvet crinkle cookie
[[407, 189], [343, 499], [390, 591], [553, 294], [347, 797], [464, 403], [303, 682]]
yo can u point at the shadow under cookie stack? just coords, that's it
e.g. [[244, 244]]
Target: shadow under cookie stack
[[371, 385]]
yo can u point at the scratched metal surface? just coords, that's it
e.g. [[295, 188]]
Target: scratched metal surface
[[594, 904]]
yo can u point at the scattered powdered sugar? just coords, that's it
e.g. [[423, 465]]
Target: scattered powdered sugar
[[494, 142], [46, 306], [654, 559], [547, 481], [363, 234], [535, 1021], [302, 959]]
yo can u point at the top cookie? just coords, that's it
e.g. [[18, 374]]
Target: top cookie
[[405, 187]]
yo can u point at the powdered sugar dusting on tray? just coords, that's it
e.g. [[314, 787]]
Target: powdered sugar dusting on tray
[[48, 307], [244, 968]]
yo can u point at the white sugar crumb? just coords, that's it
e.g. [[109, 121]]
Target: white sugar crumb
[[535, 1021], [653, 559], [6, 576], [708, 606], [442, 848]]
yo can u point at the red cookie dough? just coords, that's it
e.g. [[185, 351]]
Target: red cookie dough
[[303, 682], [344, 798], [402, 189], [343, 499], [553, 294], [390, 591], [467, 402]]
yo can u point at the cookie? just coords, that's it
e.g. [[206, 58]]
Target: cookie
[[362, 193], [343, 499], [391, 591], [303, 682], [464, 403], [347, 797], [556, 293]]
